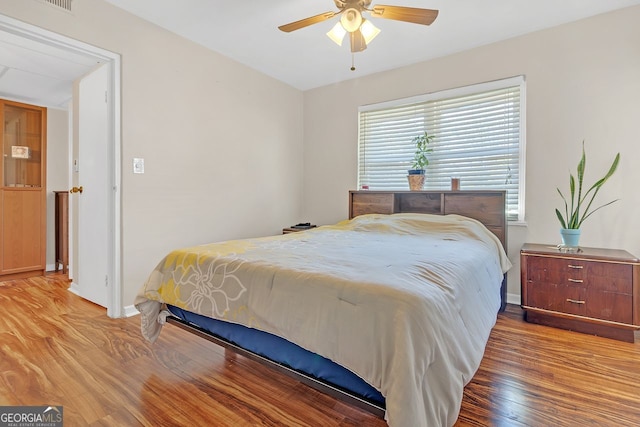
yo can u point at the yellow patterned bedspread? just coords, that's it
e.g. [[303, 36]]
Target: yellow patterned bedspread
[[405, 301]]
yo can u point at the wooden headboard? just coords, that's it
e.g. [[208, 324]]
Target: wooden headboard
[[486, 206]]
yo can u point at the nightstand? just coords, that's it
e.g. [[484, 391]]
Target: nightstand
[[590, 290]]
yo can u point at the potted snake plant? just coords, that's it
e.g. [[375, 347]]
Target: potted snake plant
[[578, 208], [416, 175]]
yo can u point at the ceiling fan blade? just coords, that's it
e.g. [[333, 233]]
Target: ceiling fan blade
[[406, 14], [358, 44], [287, 28]]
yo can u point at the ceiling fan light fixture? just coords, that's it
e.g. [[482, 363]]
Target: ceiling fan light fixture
[[369, 31], [351, 19], [357, 41], [337, 33]]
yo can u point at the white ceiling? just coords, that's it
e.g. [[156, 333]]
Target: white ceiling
[[38, 73], [247, 31]]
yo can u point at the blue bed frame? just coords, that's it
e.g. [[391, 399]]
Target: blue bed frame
[[287, 357]]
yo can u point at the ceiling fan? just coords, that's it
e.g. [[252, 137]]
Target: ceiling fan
[[361, 31]]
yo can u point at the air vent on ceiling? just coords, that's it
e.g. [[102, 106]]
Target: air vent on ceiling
[[63, 4]]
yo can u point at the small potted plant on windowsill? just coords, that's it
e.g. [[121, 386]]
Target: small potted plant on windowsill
[[580, 207], [416, 175]]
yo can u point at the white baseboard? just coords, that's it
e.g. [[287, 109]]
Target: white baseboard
[[130, 311], [513, 299], [73, 288]]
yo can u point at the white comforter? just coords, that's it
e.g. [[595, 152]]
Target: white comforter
[[405, 301]]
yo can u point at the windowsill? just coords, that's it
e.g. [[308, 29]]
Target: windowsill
[[517, 223]]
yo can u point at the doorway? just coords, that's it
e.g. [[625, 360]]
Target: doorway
[[111, 279]]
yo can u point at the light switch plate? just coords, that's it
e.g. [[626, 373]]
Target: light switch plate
[[138, 165]]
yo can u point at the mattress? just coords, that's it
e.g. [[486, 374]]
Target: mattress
[[406, 301]]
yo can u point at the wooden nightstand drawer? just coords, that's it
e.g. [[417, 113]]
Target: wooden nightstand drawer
[[556, 297], [603, 276], [593, 290], [581, 301]]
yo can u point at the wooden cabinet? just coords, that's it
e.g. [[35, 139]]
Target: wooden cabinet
[[486, 206], [62, 229], [592, 290], [22, 190]]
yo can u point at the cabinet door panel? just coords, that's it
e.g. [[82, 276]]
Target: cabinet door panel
[[22, 189], [21, 230], [611, 284], [420, 202], [488, 211], [381, 203], [610, 306]]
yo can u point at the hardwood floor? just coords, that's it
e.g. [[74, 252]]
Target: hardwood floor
[[56, 348]]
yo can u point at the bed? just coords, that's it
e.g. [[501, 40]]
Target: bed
[[392, 307]]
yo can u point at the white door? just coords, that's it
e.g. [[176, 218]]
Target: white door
[[92, 279]]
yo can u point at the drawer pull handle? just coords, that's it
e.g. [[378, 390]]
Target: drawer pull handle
[[576, 280], [575, 301], [577, 267]]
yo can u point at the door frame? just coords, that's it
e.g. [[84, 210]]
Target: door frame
[[113, 61]]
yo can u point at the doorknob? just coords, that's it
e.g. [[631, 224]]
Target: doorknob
[[76, 190]]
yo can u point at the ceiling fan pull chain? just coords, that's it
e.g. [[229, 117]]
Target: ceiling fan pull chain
[[353, 67]]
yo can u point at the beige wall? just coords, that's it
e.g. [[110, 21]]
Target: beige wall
[[582, 84], [57, 170], [222, 143]]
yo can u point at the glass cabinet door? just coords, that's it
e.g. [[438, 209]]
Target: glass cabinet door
[[22, 146], [23, 201]]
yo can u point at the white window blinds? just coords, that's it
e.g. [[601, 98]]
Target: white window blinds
[[479, 138]]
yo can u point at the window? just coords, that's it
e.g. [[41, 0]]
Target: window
[[479, 137]]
